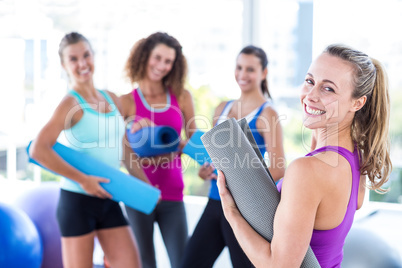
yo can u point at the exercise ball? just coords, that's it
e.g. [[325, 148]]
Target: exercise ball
[[365, 249], [40, 204], [20, 244]]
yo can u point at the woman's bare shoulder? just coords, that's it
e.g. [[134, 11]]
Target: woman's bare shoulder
[[127, 104], [320, 169]]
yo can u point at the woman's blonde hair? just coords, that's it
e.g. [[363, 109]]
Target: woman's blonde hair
[[371, 123]]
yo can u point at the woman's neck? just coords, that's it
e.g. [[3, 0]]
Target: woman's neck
[[244, 105], [251, 97], [334, 135], [151, 88], [85, 89]]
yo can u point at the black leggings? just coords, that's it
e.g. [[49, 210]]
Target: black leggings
[[209, 238], [171, 218]]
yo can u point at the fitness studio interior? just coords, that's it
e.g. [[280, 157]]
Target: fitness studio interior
[[211, 32]]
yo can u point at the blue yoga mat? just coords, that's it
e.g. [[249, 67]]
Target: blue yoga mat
[[123, 187], [152, 141], [196, 150]]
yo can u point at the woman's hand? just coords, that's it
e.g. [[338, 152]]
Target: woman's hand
[[228, 204], [257, 248], [91, 185], [206, 172], [142, 123], [182, 144]]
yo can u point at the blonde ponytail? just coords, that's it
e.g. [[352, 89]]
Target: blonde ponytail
[[371, 123], [374, 139]]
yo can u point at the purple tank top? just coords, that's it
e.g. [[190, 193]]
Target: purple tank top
[[327, 245], [167, 177]]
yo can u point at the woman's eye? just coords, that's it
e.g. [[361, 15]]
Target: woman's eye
[[309, 81], [329, 89]]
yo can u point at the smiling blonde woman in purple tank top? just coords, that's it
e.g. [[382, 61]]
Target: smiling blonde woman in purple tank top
[[157, 65], [345, 103]]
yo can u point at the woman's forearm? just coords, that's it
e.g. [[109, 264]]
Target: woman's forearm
[[257, 249]]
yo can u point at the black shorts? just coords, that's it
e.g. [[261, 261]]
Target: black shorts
[[79, 214]]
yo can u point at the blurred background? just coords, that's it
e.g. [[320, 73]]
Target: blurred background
[[212, 32]]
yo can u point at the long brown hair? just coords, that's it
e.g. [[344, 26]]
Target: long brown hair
[[262, 56], [371, 123], [137, 61]]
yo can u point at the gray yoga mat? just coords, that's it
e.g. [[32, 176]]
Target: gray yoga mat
[[233, 150]]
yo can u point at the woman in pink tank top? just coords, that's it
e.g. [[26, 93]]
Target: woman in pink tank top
[[157, 65], [346, 104]]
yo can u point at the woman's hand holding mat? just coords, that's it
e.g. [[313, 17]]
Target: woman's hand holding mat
[[122, 187], [234, 151]]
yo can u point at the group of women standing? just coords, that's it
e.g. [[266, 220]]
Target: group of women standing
[[344, 90]]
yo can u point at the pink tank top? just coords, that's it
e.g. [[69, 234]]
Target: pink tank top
[[327, 245], [167, 177]]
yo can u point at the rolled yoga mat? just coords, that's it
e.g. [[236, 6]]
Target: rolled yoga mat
[[233, 150], [152, 141], [196, 150], [123, 187]]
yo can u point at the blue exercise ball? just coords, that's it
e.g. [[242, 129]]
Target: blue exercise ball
[[40, 204], [365, 249], [20, 243]]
